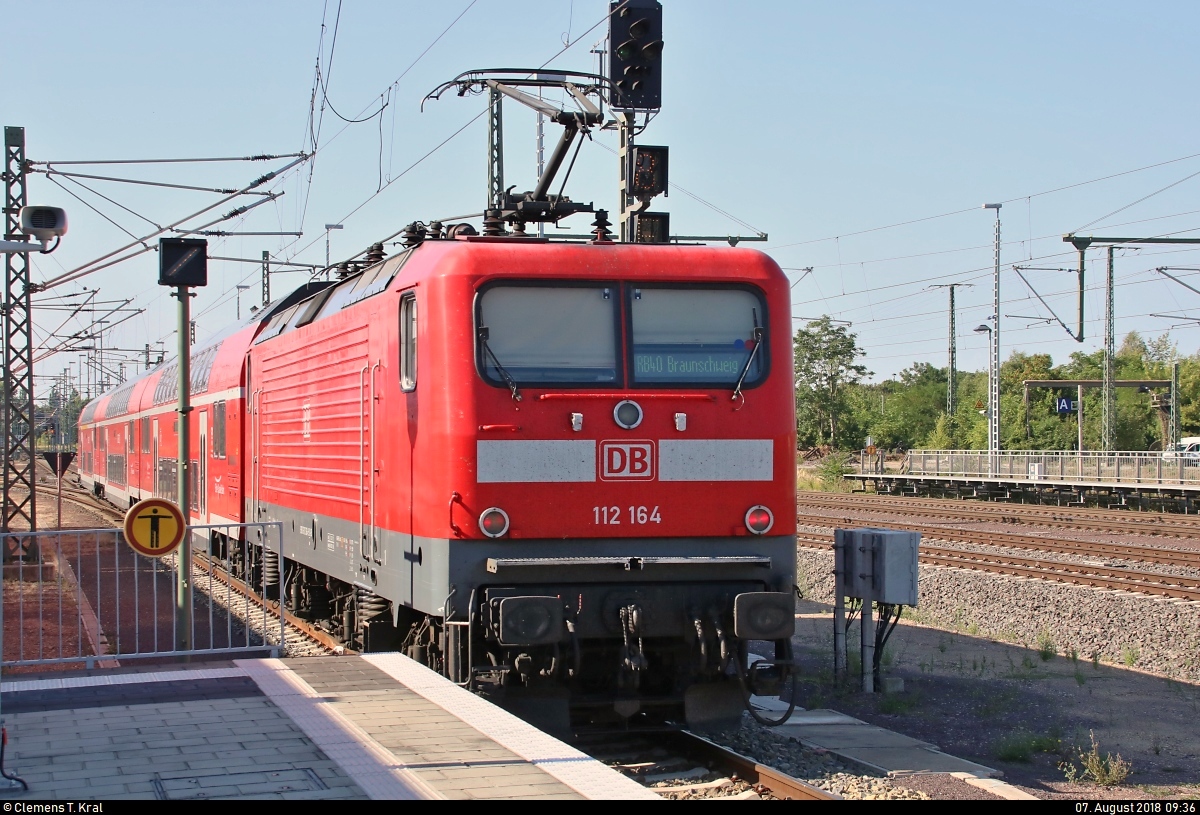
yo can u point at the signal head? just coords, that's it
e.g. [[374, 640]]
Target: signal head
[[635, 65]]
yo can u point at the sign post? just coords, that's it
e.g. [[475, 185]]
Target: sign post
[[59, 462], [154, 527], [182, 264]]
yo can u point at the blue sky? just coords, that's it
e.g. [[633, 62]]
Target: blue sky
[[815, 123]]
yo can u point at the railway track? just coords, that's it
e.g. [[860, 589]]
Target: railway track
[[1083, 574], [1147, 523], [1039, 543], [683, 766]]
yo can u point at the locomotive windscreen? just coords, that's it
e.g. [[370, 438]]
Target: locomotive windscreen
[[680, 336], [696, 336], [549, 334]]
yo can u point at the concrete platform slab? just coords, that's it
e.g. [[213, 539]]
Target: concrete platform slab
[[908, 760], [329, 727], [841, 737], [822, 716]]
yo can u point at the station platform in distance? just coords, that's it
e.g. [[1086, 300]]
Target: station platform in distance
[[1143, 480], [378, 726]]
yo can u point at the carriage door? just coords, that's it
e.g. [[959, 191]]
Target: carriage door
[[156, 476], [202, 470], [367, 539], [408, 387]]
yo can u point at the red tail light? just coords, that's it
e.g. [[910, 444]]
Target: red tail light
[[759, 520], [493, 522]]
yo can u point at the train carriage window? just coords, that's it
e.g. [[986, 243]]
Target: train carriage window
[[690, 336], [218, 430], [146, 434], [548, 335], [408, 343]]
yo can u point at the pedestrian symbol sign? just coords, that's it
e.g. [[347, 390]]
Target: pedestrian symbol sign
[[154, 527]]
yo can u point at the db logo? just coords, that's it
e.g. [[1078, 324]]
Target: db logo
[[627, 461]]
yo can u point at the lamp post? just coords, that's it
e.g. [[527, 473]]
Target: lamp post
[[991, 406], [329, 228], [994, 386]]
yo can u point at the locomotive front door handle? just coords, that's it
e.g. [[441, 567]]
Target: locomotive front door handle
[[454, 496]]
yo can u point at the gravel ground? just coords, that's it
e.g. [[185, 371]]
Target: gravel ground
[[817, 767], [988, 658], [1060, 557], [1065, 536], [869, 517], [1135, 630]]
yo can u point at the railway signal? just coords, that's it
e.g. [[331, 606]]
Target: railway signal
[[635, 29], [647, 170], [182, 264]]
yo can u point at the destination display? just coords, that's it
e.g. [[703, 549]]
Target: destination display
[[696, 364]]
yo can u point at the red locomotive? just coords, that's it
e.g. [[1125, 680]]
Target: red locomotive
[[561, 470], [532, 461]]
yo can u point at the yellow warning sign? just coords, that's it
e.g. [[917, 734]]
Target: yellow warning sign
[[154, 527], [871, 450]]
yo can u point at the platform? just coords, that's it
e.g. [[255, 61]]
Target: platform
[[354, 727]]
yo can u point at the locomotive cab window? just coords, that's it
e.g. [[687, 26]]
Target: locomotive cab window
[[547, 335], [697, 336], [408, 343]]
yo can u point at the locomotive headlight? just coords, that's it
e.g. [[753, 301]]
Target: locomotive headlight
[[493, 522], [628, 414], [759, 519], [764, 615]]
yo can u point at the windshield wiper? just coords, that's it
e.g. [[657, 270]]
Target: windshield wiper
[[758, 336], [504, 374]]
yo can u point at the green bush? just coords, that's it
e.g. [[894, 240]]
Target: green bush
[[1106, 771], [832, 468], [1020, 745]]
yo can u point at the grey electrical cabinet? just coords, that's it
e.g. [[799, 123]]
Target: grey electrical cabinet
[[879, 564]]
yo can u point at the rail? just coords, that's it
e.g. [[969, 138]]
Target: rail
[[1092, 467]]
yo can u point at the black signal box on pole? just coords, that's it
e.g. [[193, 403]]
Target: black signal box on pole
[[635, 30], [182, 262], [651, 227], [647, 172]]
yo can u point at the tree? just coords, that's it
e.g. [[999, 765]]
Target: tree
[[825, 367]]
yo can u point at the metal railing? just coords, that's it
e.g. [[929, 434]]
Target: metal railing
[[1039, 465], [85, 597]]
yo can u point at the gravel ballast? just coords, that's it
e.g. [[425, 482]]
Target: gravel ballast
[[1121, 628], [817, 767]]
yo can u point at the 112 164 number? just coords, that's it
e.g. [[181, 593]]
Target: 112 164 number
[[611, 516]]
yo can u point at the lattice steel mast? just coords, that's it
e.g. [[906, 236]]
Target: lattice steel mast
[[17, 419]]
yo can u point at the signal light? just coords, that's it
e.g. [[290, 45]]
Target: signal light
[[182, 262], [759, 520], [647, 173], [652, 227], [635, 66], [493, 522]]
